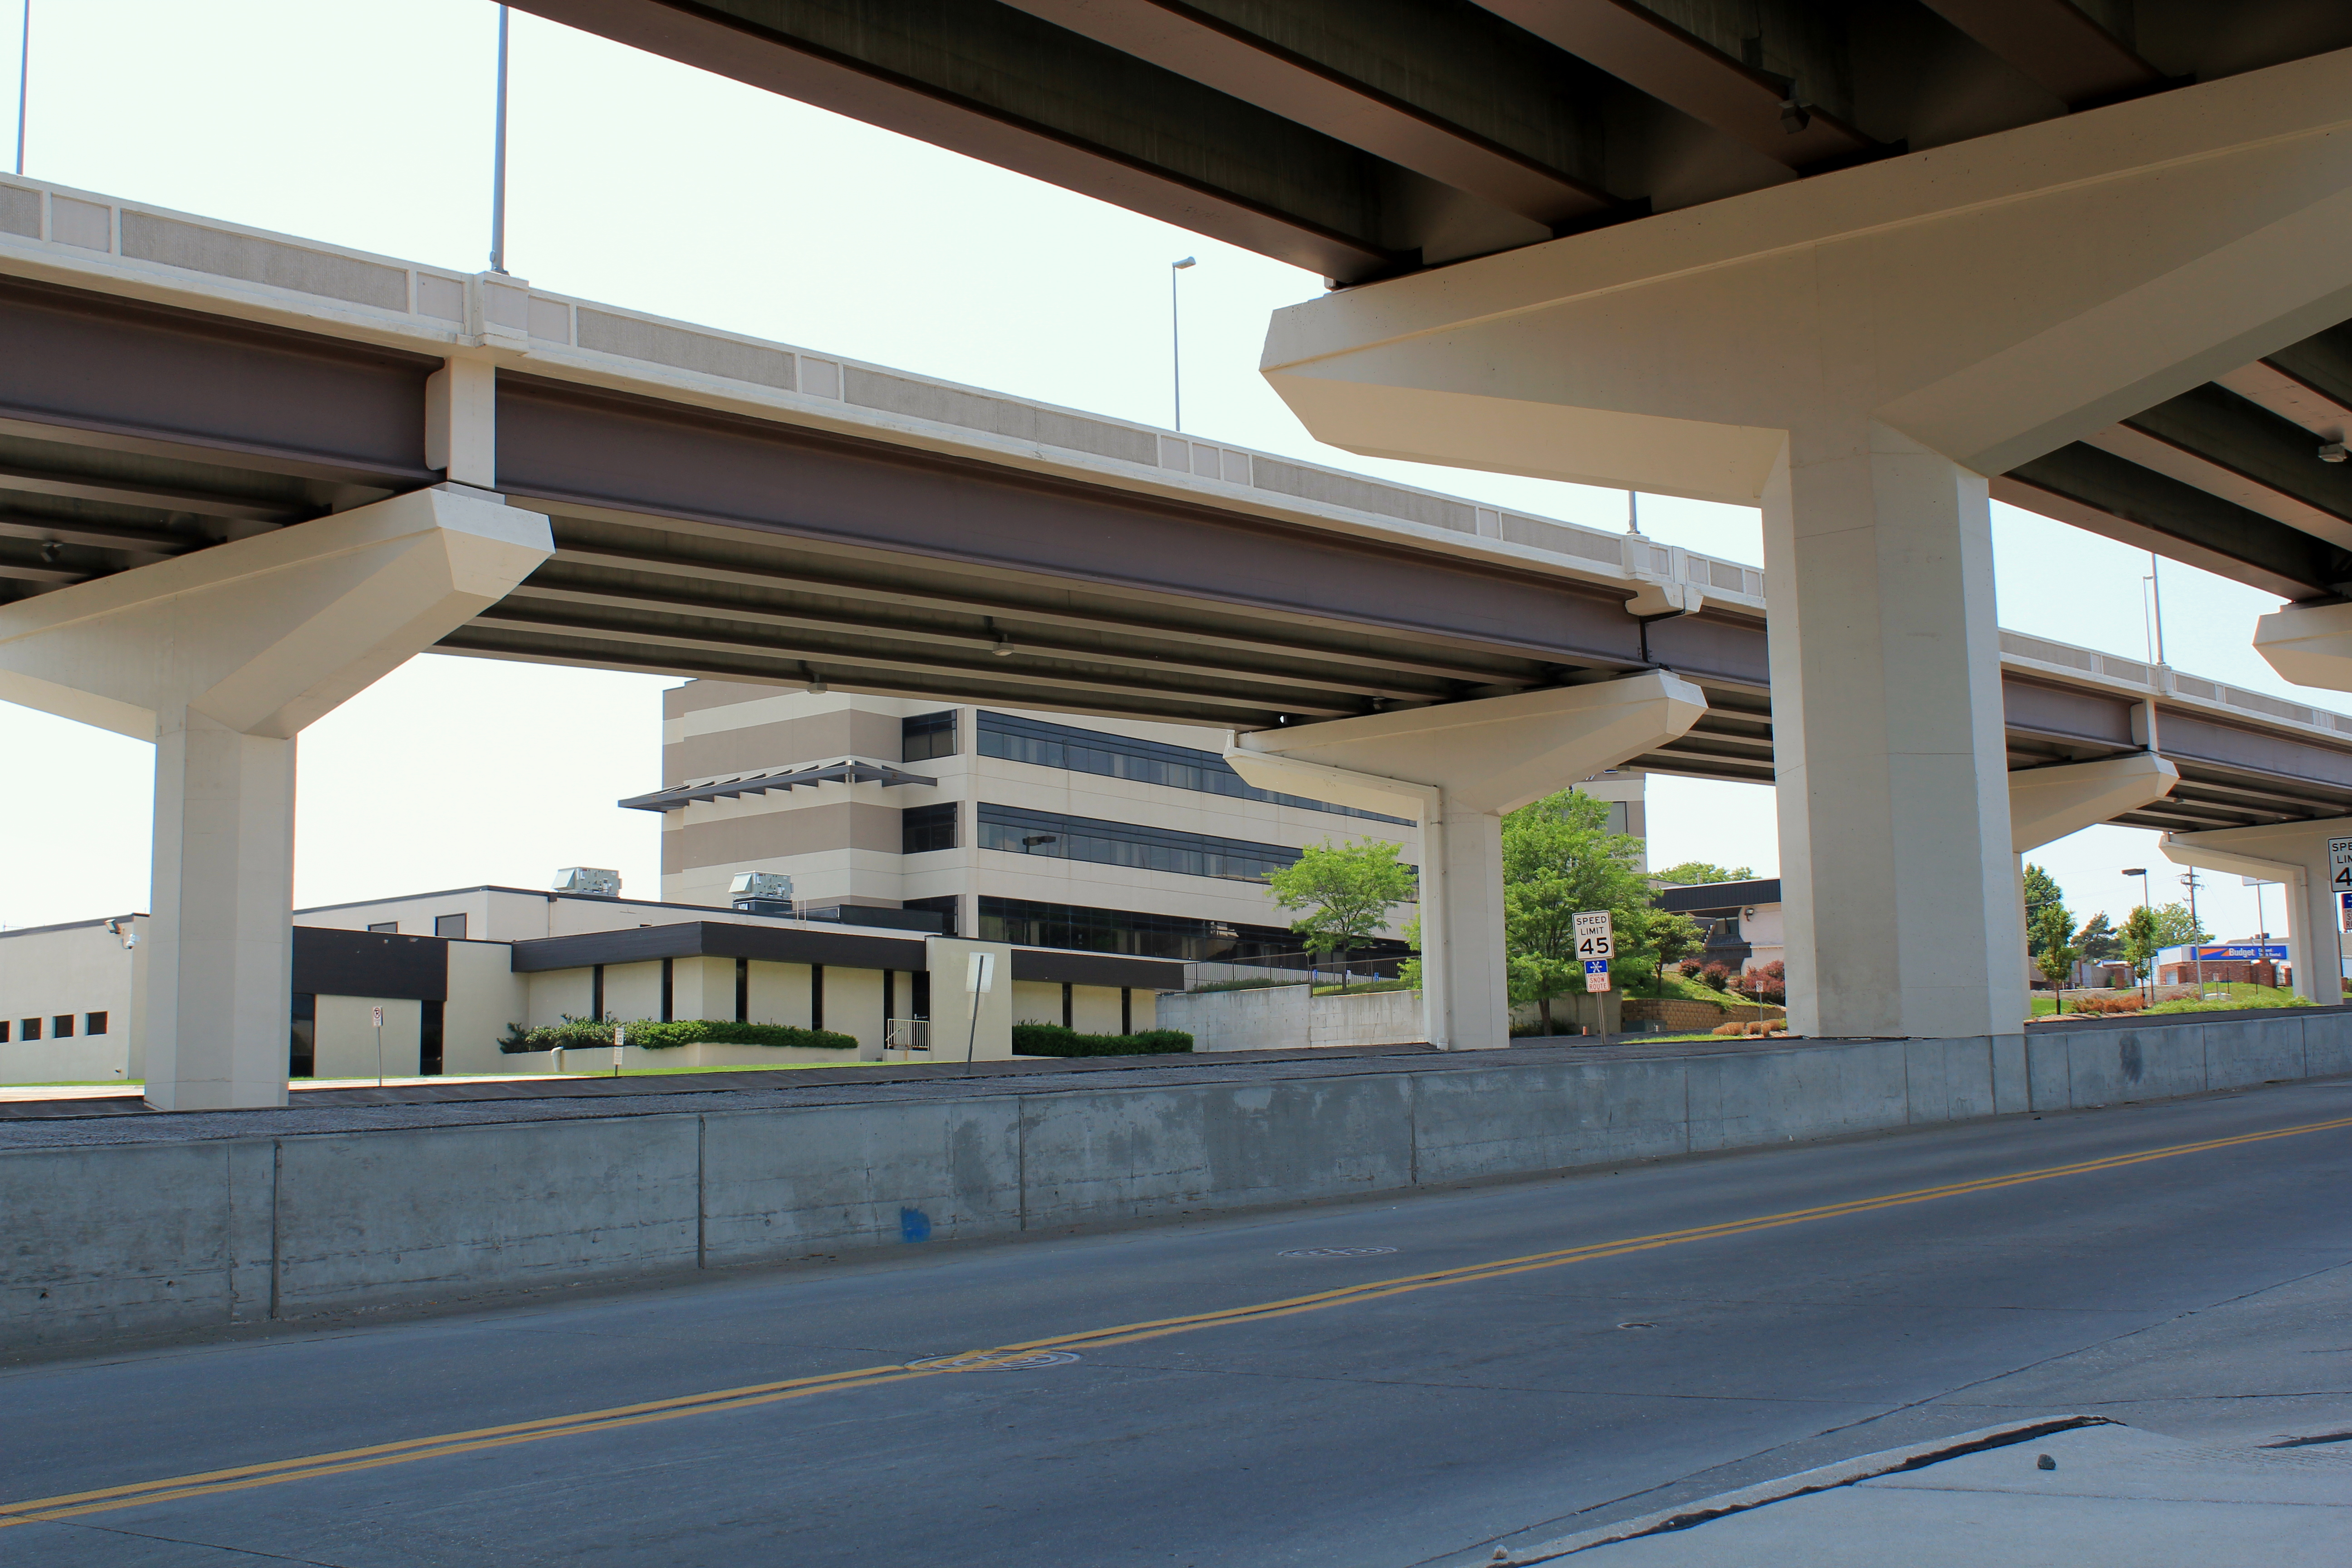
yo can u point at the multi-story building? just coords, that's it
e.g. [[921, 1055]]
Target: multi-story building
[[1050, 830]]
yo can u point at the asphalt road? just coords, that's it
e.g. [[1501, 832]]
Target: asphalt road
[[1549, 1355]]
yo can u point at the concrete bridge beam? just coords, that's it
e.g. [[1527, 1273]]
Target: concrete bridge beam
[[1459, 766], [221, 657], [1856, 355], [2045, 804], [2294, 854]]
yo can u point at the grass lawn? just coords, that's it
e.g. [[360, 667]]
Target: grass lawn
[[2240, 993]]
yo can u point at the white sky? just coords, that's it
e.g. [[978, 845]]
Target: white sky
[[642, 182]]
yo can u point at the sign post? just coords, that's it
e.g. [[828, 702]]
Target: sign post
[[617, 1036], [1596, 943], [375, 1016]]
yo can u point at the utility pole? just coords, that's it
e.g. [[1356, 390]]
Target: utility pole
[[498, 161], [2196, 945], [1176, 337]]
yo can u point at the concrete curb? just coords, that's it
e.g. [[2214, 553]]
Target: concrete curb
[[1844, 1473]]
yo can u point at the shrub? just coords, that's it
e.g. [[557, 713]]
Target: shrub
[[1053, 1041], [1769, 984], [648, 1034], [1689, 968], [2130, 1002], [1715, 976]]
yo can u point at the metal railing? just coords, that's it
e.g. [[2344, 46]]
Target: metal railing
[[1290, 969], [908, 1037]]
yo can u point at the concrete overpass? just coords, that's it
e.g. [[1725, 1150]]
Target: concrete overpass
[[1862, 265], [242, 474]]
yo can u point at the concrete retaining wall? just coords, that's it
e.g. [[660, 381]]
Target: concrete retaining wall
[[126, 1239], [1279, 1017]]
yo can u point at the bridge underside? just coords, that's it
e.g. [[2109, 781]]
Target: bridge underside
[[694, 542]]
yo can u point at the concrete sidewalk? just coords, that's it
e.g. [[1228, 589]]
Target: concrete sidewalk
[[2056, 1492]]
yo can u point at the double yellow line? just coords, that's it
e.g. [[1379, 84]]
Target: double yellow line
[[346, 1461]]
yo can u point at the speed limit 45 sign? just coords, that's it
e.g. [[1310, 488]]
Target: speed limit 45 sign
[[2339, 876], [1596, 943]]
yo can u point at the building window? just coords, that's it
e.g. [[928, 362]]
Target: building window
[[91, 1024], [923, 828], [302, 1048], [1019, 832], [927, 736], [450, 926], [742, 990], [61, 1026], [816, 995], [596, 992], [669, 977], [428, 1036], [392, 927], [32, 1030], [1033, 740], [5, 1028], [944, 907], [1074, 926]]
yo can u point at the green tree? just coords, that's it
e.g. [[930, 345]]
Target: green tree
[[2141, 940], [1691, 873], [1672, 936], [2042, 890], [1559, 859], [1346, 890], [2176, 926], [2098, 941], [2055, 949]]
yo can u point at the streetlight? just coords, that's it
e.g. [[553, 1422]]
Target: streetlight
[[23, 81], [2141, 872], [498, 161], [1175, 338]]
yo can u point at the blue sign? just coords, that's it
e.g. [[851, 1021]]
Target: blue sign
[[2245, 953], [1596, 966]]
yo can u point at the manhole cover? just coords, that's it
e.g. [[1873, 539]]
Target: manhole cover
[[993, 1361], [1337, 1252]]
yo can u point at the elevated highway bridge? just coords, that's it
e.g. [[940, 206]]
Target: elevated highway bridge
[[193, 412]]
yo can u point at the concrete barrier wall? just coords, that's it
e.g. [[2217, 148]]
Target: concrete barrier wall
[[130, 1238], [1261, 1018]]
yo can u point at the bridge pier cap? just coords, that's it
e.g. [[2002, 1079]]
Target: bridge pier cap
[[221, 657], [1458, 767], [1855, 354]]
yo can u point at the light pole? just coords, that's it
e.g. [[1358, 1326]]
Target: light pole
[[2141, 872], [1176, 338], [498, 161], [23, 81]]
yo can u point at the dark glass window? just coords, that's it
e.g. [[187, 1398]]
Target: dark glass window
[[1048, 833], [5, 1028], [923, 828], [451, 926], [1027, 924], [927, 736], [945, 908], [91, 1024], [302, 1049], [61, 1026], [392, 926], [1023, 740], [32, 1029], [428, 1036]]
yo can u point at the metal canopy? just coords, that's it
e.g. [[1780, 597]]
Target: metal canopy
[[852, 772]]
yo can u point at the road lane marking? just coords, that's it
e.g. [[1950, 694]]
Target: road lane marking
[[347, 1461]]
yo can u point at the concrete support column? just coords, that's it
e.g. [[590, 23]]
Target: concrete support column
[[1459, 766], [222, 893], [2295, 855], [1896, 874], [221, 657]]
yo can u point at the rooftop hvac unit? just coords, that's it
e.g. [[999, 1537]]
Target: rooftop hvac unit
[[591, 879], [760, 892]]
